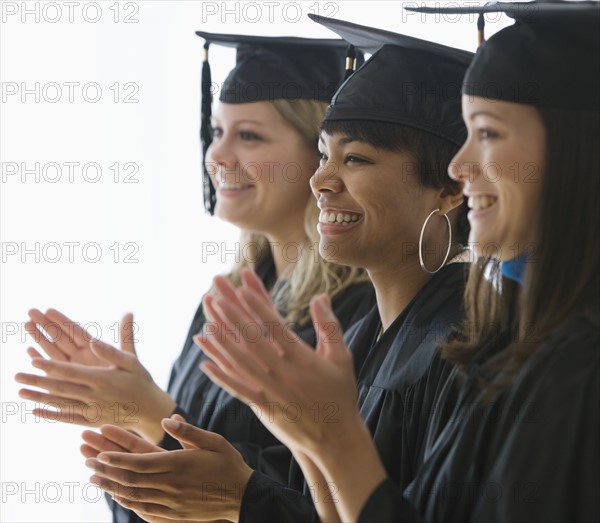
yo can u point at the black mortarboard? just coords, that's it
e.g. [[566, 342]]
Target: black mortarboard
[[272, 68], [407, 81], [550, 57]]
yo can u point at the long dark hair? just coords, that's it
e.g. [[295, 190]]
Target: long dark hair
[[562, 276]]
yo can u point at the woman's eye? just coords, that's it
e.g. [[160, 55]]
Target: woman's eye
[[248, 136], [354, 159], [323, 157], [216, 132], [487, 134]]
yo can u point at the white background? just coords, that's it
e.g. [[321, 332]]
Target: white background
[[153, 234]]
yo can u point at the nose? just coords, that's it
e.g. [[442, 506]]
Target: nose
[[326, 179], [463, 168], [219, 156]]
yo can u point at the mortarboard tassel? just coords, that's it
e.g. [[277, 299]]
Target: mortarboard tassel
[[206, 131], [480, 27], [350, 62]]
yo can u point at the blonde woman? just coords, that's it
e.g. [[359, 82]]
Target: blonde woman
[[262, 154]]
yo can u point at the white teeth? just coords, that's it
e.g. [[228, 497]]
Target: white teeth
[[479, 203], [338, 218]]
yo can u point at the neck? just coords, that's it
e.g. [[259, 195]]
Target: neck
[[396, 284], [286, 250], [395, 288]]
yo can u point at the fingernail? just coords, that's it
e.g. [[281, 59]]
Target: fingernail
[[102, 458], [90, 463]]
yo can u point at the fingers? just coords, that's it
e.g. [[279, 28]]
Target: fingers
[[209, 348], [127, 441], [184, 444], [80, 336], [64, 411], [98, 443], [120, 492], [208, 304], [148, 464], [152, 512], [329, 331], [128, 334], [229, 293], [124, 360], [49, 347], [54, 386], [231, 351], [60, 332], [281, 333], [88, 451], [252, 281], [239, 389], [32, 353], [71, 372], [225, 288], [195, 436]]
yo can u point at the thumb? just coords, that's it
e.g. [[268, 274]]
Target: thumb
[[330, 335], [185, 445], [114, 356], [127, 334], [192, 437]]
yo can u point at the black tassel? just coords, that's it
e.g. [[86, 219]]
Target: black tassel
[[480, 27], [210, 196], [350, 62]]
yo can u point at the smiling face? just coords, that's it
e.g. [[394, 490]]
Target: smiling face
[[501, 165], [260, 166], [372, 204]]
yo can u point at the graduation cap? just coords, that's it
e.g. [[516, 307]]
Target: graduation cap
[[407, 81], [272, 68], [549, 58]]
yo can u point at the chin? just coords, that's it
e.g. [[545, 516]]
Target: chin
[[331, 252]]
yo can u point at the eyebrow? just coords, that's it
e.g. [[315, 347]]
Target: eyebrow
[[342, 141], [485, 113], [255, 122]]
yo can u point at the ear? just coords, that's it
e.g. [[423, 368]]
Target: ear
[[451, 197]]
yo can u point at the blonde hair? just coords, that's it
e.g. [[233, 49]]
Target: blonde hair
[[311, 274]]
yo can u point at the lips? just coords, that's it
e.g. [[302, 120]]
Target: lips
[[225, 186]]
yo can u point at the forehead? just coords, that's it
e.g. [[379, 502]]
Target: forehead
[[259, 112], [337, 138]]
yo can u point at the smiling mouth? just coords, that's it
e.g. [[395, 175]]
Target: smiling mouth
[[225, 186], [338, 218], [480, 203]]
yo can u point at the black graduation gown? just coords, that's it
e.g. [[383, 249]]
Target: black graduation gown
[[531, 455], [399, 377], [207, 406]]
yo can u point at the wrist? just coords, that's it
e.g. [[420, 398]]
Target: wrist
[[342, 437], [243, 478], [353, 480], [150, 426]]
